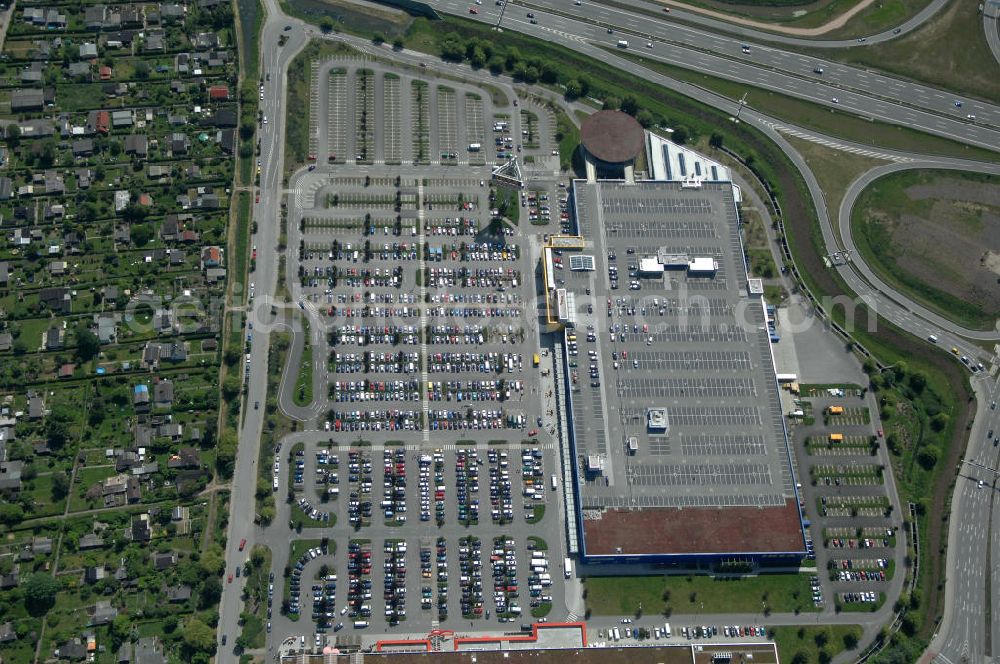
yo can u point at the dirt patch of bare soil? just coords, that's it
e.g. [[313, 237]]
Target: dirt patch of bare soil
[[954, 246]]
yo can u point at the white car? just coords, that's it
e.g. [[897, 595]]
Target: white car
[[834, 100]]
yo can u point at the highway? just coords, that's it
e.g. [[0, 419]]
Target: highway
[[866, 93], [974, 531]]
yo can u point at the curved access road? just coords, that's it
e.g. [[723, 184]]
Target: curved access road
[[290, 374], [846, 234], [991, 26]]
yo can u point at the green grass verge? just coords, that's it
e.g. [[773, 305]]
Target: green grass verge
[[255, 599], [696, 595], [540, 544], [241, 251], [568, 135], [507, 201], [822, 119], [542, 610], [886, 198], [803, 645], [537, 514], [297, 124], [303, 395]]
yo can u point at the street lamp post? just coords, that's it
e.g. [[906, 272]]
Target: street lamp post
[[742, 102]]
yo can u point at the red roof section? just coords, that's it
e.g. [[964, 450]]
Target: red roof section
[[695, 530], [103, 122], [218, 92]]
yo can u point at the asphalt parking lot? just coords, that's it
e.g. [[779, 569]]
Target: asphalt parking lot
[[436, 476]]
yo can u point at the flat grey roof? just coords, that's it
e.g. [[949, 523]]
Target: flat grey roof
[[697, 346]]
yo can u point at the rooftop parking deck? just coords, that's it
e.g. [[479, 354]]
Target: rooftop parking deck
[[679, 437]]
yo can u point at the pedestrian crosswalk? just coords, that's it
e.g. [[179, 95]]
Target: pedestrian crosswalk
[[837, 145]]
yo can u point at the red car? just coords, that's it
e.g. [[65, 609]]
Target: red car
[[257, 199], [230, 579], [473, 10], [532, 433], [243, 543]]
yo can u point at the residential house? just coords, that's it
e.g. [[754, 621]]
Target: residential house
[[171, 430], [122, 199], [83, 147], [206, 40], [141, 528], [157, 171], [103, 613], [41, 546], [187, 457], [7, 632], [58, 300], [10, 477], [36, 407], [227, 140], [179, 143], [93, 17], [178, 594], [106, 328], [211, 257], [218, 93], [140, 398], [73, 650], [94, 574], [163, 394], [66, 370], [223, 118], [90, 541], [136, 144], [124, 118], [170, 12], [162, 561], [155, 41], [149, 651], [133, 490], [33, 73], [26, 99], [78, 69], [10, 580], [54, 338], [88, 51]]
